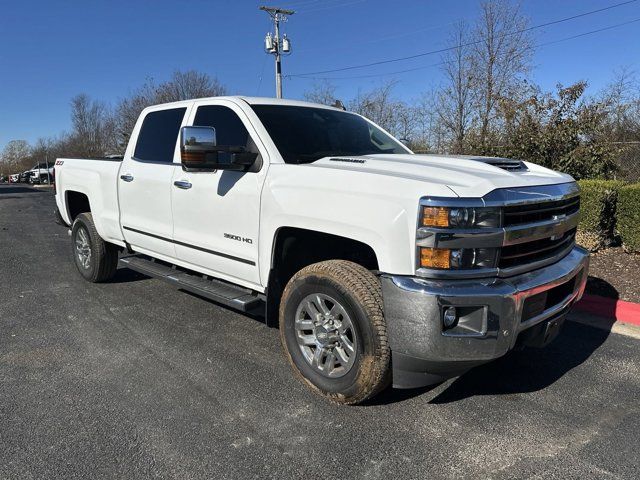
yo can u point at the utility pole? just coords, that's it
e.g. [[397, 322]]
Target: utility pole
[[276, 45], [46, 161]]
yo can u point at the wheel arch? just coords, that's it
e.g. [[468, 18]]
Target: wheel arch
[[76, 202], [294, 248]]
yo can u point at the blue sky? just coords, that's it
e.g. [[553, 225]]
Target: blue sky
[[51, 50]]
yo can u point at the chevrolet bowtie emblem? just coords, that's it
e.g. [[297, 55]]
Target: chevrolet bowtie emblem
[[555, 218]]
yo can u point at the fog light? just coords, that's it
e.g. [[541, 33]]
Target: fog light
[[449, 317]]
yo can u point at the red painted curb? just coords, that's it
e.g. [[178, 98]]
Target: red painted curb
[[621, 311]]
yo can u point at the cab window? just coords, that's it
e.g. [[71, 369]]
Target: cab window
[[158, 135], [229, 128]]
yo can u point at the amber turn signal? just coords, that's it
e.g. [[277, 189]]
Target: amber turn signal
[[435, 217], [434, 257]]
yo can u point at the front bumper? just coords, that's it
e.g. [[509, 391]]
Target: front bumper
[[494, 312]]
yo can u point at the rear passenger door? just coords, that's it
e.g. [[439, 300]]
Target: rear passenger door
[[145, 183]]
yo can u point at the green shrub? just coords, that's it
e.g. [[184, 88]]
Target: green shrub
[[629, 216], [598, 199]]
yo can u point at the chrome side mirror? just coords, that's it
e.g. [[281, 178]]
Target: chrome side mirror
[[199, 151], [198, 148]]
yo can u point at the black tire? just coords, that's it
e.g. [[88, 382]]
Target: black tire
[[103, 261], [359, 292]]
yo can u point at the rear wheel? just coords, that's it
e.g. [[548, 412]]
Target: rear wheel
[[96, 259], [333, 331]]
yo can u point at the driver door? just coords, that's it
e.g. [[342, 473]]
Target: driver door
[[216, 214]]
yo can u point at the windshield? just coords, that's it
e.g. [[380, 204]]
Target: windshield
[[305, 134]]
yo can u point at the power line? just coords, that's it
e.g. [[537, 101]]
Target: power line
[[315, 5], [407, 33], [373, 75], [300, 3], [590, 32], [297, 4], [442, 50], [327, 7]]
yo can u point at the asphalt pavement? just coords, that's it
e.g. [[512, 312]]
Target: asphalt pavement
[[135, 379]]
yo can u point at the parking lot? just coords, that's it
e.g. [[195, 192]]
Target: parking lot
[[134, 379]]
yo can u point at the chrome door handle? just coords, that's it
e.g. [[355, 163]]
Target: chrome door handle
[[183, 184], [126, 177]]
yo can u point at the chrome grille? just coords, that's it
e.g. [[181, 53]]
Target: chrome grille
[[529, 252], [538, 228], [538, 212]]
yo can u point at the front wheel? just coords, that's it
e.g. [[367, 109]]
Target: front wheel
[[333, 331], [96, 259]]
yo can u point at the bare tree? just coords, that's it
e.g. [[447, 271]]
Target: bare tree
[[501, 54], [323, 92], [129, 108], [405, 124], [92, 127], [14, 154], [431, 136], [622, 125], [188, 85], [622, 95], [377, 105], [181, 86], [454, 101], [45, 150], [392, 114]]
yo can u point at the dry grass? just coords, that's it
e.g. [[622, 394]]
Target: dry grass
[[588, 240]]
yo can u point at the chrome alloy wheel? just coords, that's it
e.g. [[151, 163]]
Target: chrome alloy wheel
[[83, 248], [325, 335]]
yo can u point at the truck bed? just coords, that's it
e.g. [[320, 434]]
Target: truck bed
[[97, 178]]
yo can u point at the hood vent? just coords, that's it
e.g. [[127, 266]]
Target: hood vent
[[504, 163], [347, 160]]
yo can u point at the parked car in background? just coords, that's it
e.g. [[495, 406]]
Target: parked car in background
[[379, 265], [41, 173], [14, 178]]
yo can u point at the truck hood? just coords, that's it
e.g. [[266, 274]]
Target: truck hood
[[466, 176]]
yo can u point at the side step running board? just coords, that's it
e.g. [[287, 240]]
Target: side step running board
[[240, 298]]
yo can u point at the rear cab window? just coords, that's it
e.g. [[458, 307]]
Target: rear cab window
[[158, 135]]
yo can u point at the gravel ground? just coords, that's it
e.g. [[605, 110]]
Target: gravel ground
[[616, 274], [133, 379]]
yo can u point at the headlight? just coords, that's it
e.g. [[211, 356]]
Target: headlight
[[460, 217], [461, 258]]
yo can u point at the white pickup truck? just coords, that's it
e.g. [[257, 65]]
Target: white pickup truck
[[41, 173], [377, 264]]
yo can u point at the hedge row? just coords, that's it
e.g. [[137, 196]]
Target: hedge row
[[598, 199], [609, 207], [629, 216]]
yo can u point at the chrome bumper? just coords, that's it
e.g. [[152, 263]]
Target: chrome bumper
[[494, 309]]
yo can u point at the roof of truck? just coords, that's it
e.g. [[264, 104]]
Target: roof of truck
[[251, 101], [282, 101]]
